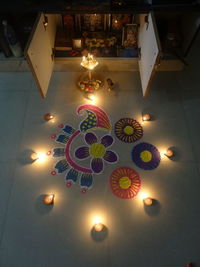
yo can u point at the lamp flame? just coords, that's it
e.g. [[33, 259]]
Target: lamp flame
[[89, 62]]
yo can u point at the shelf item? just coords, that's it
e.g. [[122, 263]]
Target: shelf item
[[77, 43], [63, 40], [130, 35]]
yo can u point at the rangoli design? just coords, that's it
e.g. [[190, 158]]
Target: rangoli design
[[96, 119], [146, 156], [128, 130], [97, 151], [125, 182]]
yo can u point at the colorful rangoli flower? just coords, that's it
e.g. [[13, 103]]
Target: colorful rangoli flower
[[128, 130], [125, 182], [97, 151], [146, 156], [96, 119]]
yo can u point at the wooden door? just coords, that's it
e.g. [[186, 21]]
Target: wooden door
[[150, 50], [39, 52]]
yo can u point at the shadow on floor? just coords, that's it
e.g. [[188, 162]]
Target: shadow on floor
[[153, 210], [151, 112], [99, 236], [177, 153], [40, 207], [116, 89], [25, 157]]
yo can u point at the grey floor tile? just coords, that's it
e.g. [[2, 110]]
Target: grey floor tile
[[13, 112], [35, 235], [30, 234], [191, 113], [16, 81], [6, 182], [163, 228]]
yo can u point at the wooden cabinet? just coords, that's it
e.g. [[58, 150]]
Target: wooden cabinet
[[40, 56]]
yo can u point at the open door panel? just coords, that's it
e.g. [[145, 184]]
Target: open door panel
[[149, 43], [39, 51]]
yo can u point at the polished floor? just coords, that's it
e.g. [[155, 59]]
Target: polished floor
[[166, 235]]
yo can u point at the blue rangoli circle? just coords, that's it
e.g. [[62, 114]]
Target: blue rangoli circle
[[146, 156]]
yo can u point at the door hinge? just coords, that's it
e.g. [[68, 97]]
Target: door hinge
[[45, 22], [139, 53], [52, 54], [158, 62], [146, 20]]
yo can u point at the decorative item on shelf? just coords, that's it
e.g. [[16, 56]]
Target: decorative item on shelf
[[98, 227], [77, 43], [169, 153], [49, 199], [48, 116], [146, 117], [34, 156], [148, 201], [104, 42], [74, 53]]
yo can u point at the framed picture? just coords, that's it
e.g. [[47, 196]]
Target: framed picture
[[129, 36], [118, 21], [91, 22], [77, 43], [68, 22]]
